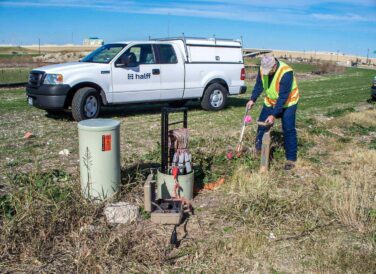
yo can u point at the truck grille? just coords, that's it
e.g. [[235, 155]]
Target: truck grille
[[36, 78]]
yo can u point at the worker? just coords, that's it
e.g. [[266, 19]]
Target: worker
[[282, 95]]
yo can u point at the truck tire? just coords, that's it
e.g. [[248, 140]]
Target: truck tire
[[215, 97], [86, 104]]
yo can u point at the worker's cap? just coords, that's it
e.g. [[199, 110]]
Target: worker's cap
[[267, 63]]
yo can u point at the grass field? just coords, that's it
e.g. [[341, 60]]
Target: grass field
[[15, 55], [14, 75], [319, 218], [13, 61], [15, 64]]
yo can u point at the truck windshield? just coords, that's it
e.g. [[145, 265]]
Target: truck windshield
[[104, 54]]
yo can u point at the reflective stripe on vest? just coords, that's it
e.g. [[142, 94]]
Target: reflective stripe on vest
[[272, 92]]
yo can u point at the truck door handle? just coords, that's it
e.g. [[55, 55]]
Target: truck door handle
[[156, 71]]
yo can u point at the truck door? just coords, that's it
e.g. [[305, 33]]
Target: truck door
[[136, 75], [172, 72]]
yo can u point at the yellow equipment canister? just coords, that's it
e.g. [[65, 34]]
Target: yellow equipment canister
[[99, 152]]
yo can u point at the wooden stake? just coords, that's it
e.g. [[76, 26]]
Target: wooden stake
[[265, 148]]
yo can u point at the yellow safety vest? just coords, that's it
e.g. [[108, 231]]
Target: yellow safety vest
[[272, 92]]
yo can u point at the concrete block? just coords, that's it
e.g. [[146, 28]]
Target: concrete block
[[121, 213]]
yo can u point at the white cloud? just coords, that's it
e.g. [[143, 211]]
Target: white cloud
[[296, 12], [294, 3], [346, 17]]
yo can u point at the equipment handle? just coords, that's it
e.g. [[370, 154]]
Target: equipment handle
[[263, 124]]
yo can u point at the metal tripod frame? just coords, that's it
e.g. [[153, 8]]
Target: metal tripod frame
[[165, 125]]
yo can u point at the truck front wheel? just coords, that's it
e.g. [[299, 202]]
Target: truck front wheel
[[86, 104], [215, 97]]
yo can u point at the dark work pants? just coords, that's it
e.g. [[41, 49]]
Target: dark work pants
[[288, 117]]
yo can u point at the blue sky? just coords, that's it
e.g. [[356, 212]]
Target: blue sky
[[348, 25]]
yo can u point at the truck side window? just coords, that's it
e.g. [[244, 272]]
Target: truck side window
[[167, 54], [141, 54]]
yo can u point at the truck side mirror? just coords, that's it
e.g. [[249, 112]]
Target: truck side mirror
[[119, 65], [128, 60], [121, 62]]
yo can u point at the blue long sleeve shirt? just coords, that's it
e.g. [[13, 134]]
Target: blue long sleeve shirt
[[284, 90]]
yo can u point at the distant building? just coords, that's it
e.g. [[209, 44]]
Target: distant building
[[93, 41]]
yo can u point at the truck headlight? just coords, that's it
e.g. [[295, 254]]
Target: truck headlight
[[53, 79]]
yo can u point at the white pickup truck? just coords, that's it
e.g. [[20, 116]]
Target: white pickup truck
[[171, 69]]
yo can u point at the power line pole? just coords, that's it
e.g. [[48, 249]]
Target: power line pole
[[367, 56], [39, 45]]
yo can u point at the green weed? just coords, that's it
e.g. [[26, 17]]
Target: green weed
[[339, 112], [144, 214], [320, 131], [356, 129], [372, 144]]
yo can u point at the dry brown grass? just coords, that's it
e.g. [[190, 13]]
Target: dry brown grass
[[352, 192], [333, 204], [319, 218], [366, 117]]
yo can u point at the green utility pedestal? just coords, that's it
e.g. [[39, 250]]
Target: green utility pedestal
[[99, 151]]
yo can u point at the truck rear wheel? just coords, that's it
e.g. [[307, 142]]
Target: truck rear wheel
[[215, 97], [86, 104]]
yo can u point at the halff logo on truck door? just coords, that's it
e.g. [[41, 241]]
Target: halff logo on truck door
[[133, 76]]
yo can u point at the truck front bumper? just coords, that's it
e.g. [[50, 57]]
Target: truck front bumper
[[48, 96]]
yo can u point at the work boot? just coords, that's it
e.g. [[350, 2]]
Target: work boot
[[289, 165]]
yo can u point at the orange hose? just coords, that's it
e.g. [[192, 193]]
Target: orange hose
[[214, 185]]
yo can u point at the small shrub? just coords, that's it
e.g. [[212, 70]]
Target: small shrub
[[328, 67]]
